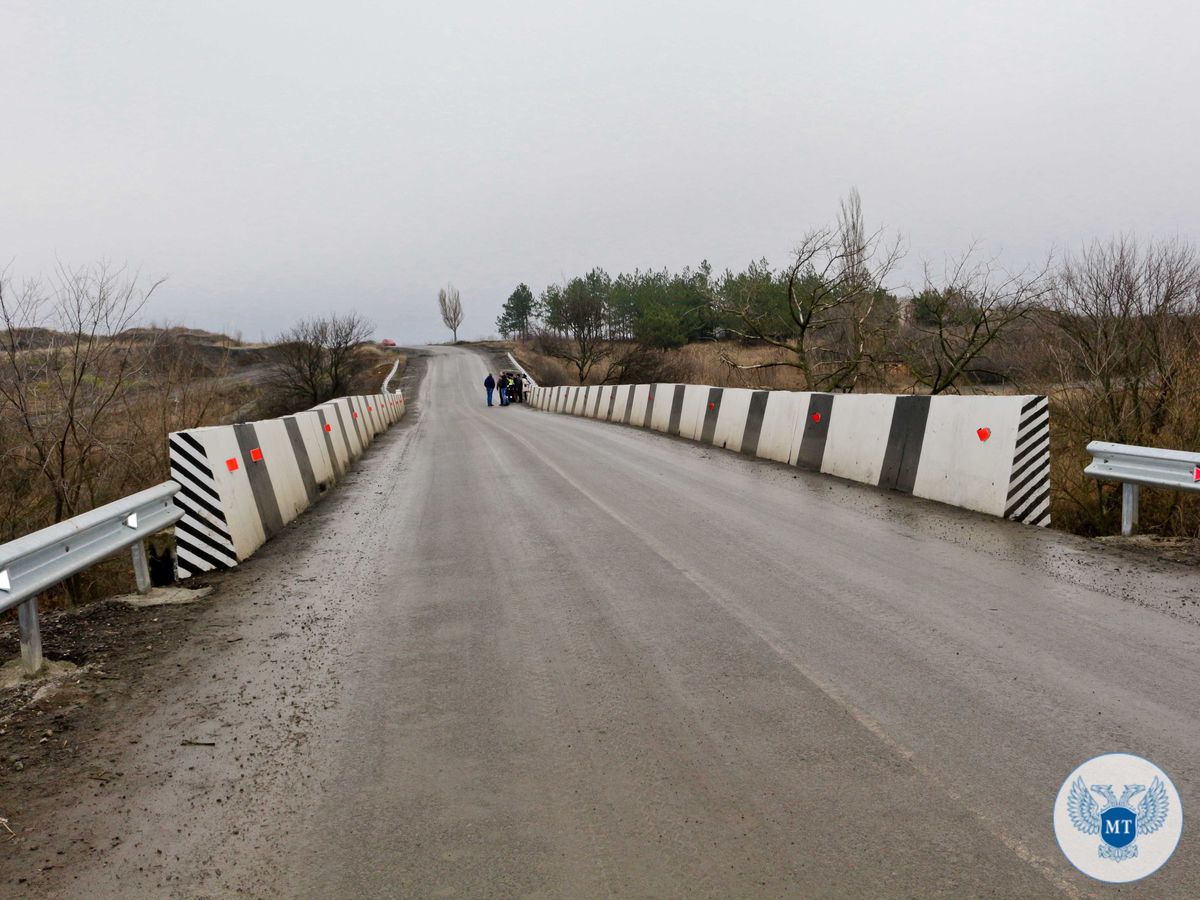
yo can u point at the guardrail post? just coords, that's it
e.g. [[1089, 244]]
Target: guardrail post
[[1129, 508], [141, 566], [30, 632]]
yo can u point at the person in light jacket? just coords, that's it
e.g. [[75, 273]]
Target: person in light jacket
[[489, 384]]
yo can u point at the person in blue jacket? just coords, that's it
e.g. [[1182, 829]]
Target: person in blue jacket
[[490, 384]]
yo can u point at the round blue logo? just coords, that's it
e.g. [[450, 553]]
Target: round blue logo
[[1118, 817]]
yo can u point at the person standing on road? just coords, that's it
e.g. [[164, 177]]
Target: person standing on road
[[503, 390], [490, 384]]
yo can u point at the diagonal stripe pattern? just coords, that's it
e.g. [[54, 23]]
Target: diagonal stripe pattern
[[1029, 484], [202, 539]]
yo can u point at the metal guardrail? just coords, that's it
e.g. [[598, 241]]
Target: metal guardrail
[[1134, 466], [390, 376], [521, 369], [37, 561]]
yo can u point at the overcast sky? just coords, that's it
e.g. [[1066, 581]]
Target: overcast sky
[[279, 159]]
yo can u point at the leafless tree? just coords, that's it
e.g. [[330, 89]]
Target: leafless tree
[[631, 362], [319, 359], [837, 313], [450, 305], [64, 368], [184, 383], [1126, 334], [956, 319]]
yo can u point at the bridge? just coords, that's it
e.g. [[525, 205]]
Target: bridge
[[524, 654]]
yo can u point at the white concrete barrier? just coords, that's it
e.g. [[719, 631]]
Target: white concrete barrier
[[858, 434], [276, 453], [318, 446], [778, 430], [989, 454], [691, 412], [241, 484], [732, 414]]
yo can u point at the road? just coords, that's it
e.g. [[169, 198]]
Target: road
[[523, 654]]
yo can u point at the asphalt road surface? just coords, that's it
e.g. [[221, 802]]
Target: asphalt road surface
[[524, 654]]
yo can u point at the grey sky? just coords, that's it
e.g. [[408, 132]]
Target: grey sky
[[277, 159]]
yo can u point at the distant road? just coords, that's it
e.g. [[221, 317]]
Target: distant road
[[525, 654]]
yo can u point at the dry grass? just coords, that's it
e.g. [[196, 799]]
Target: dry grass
[[725, 364]]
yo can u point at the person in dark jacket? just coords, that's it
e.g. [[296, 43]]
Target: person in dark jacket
[[503, 390], [490, 384]]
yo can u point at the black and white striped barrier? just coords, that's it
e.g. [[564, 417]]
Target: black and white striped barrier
[[990, 454], [241, 484]]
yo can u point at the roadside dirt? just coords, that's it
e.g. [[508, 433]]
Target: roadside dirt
[[61, 746], [54, 743]]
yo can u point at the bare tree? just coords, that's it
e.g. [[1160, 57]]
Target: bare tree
[[954, 322], [184, 383], [319, 359], [64, 367], [837, 312], [1125, 321], [450, 305]]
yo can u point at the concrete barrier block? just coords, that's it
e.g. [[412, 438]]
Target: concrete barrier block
[[221, 524], [691, 414], [783, 412], [204, 538], [335, 426], [316, 445], [600, 407], [858, 435], [363, 420], [374, 417], [619, 403], [375, 409], [731, 418], [661, 402], [967, 451], [274, 451], [347, 414], [637, 403]]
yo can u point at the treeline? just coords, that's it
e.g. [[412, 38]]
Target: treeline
[[830, 312]]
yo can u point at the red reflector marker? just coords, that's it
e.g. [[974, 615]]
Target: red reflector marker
[[256, 454], [356, 415], [231, 464], [984, 433], [712, 406], [370, 409], [329, 427], [1196, 474], [816, 417]]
